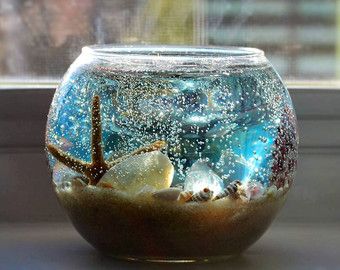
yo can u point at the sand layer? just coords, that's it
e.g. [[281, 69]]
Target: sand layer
[[146, 228]]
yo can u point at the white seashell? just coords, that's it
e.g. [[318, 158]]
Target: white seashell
[[254, 190], [201, 176], [167, 194], [132, 174], [62, 173], [204, 195]]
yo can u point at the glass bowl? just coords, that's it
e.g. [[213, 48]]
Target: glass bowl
[[164, 153]]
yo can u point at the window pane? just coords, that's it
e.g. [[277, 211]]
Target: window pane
[[40, 38]]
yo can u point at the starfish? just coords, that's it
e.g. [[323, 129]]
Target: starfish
[[98, 166]]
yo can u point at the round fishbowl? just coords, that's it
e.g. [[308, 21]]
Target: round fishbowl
[[175, 154]]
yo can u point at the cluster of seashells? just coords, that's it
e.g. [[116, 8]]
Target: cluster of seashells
[[146, 172], [146, 169], [233, 190]]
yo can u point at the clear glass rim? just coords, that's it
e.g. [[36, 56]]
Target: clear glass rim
[[172, 51], [172, 58]]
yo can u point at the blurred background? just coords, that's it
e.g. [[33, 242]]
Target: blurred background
[[41, 38]]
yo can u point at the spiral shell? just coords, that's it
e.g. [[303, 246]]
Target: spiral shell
[[202, 196], [231, 190], [185, 196]]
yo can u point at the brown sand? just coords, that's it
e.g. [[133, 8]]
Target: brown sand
[[149, 229]]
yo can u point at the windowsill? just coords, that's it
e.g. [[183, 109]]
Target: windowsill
[[313, 85], [59, 246]]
